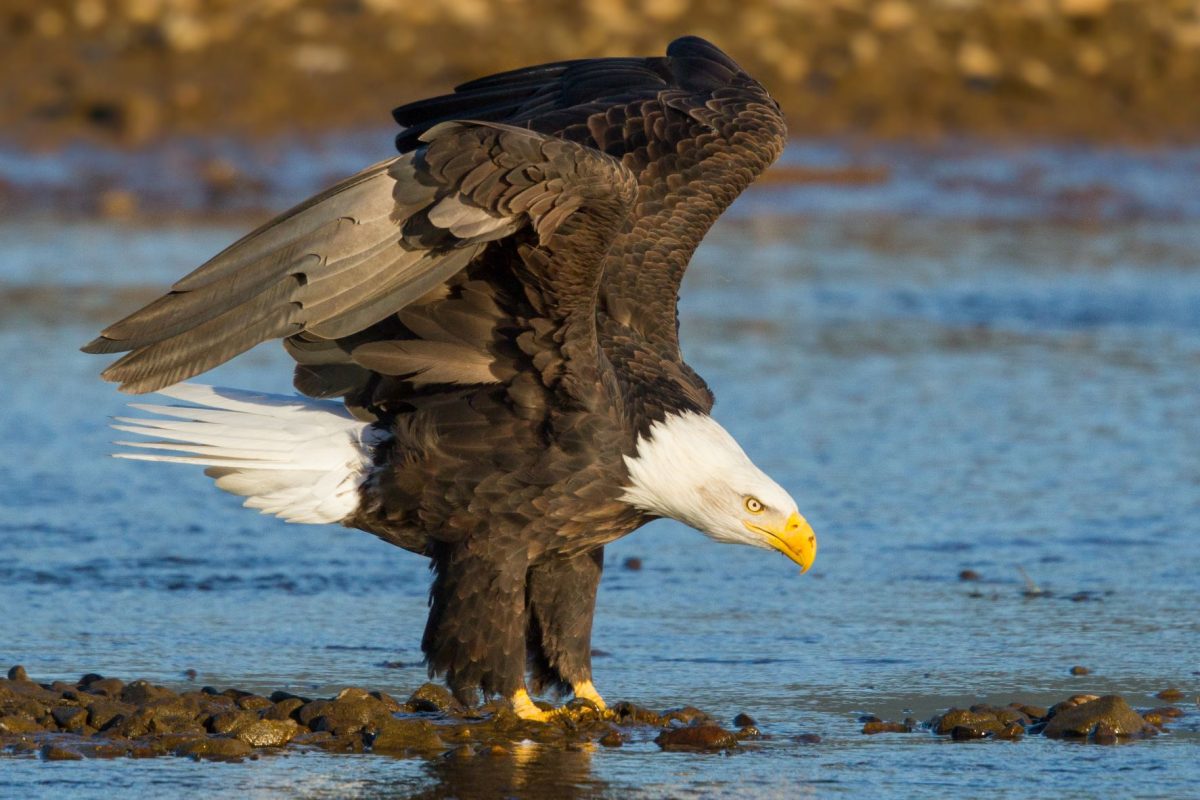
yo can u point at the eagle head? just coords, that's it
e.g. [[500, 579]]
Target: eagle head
[[690, 469]]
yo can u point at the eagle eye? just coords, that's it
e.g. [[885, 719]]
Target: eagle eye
[[754, 505]]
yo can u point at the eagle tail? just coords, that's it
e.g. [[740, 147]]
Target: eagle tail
[[299, 459]]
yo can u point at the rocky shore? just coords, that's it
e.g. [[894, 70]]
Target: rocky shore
[[99, 717], [132, 71]]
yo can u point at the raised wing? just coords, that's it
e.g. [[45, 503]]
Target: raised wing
[[371, 245], [692, 126]]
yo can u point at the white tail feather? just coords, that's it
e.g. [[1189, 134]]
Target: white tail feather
[[299, 459]]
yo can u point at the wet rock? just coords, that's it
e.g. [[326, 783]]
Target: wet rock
[[344, 716], [1171, 695], [70, 718], [103, 686], [218, 748], [142, 692], [17, 673], [880, 726], [15, 724], [969, 575], [1033, 712], [405, 735], [742, 720], [980, 729], [748, 732], [633, 564], [230, 722], [280, 696], [807, 738], [705, 736], [1110, 713], [58, 752], [268, 732], [612, 739], [94, 748], [1071, 702], [102, 713], [253, 702], [430, 697], [390, 703], [687, 715], [628, 713], [1080, 670], [957, 717], [1011, 732], [283, 709], [312, 738]]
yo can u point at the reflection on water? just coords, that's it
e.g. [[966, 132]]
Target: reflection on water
[[944, 383]]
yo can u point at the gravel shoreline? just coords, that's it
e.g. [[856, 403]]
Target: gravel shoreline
[[134, 71], [98, 717]]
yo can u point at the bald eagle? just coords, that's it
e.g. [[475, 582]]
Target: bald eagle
[[486, 344]]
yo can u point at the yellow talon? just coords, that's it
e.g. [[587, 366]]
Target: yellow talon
[[525, 708], [586, 691]]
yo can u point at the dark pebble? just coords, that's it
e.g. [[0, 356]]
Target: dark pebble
[[628, 713], [253, 702], [808, 738], [70, 717], [217, 748], [687, 715], [1110, 713], [430, 697], [190, 674], [706, 736], [268, 732], [283, 709], [612, 739], [17, 673], [395, 735], [969, 575], [742, 720], [633, 564], [57, 752], [879, 726], [967, 732], [1079, 670]]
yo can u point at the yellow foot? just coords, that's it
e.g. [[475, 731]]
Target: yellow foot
[[525, 708], [586, 691]]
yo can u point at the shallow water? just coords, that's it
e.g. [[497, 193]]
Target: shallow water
[[982, 361]]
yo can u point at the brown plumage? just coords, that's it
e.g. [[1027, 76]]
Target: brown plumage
[[501, 300]]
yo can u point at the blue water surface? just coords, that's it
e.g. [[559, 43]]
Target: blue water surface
[[981, 359]]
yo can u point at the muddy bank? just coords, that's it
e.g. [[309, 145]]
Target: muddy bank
[[98, 717], [131, 71]]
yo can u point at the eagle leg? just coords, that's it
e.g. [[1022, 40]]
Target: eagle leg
[[561, 601], [477, 618]]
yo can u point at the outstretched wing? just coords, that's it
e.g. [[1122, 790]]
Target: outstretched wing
[[371, 245], [693, 127]]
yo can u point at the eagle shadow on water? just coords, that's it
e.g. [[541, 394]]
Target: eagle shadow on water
[[486, 344]]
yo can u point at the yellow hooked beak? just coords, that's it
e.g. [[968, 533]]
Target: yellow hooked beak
[[795, 539]]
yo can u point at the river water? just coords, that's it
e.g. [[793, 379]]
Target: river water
[[969, 359]]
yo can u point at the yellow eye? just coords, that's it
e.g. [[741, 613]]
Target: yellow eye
[[754, 505]]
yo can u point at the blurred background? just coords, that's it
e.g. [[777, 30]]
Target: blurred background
[[138, 73]]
